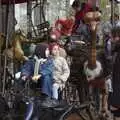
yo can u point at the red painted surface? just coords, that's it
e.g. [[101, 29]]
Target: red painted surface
[[98, 83]]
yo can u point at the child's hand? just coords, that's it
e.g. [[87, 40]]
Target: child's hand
[[36, 77], [23, 78]]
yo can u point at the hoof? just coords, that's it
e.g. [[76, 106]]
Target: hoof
[[104, 115]]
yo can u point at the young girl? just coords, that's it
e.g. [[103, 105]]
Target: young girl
[[60, 72]]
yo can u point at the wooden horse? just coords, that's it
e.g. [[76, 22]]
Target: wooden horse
[[15, 51], [93, 68]]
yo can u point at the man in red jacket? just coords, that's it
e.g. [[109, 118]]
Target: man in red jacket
[[80, 12]]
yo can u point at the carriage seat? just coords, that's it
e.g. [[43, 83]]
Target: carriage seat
[[50, 108], [47, 102]]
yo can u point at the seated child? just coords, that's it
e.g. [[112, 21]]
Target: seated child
[[40, 67], [60, 71]]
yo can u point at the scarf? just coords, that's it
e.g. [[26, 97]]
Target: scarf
[[38, 62]]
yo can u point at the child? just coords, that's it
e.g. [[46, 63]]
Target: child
[[60, 72], [40, 68]]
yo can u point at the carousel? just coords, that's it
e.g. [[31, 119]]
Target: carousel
[[86, 59]]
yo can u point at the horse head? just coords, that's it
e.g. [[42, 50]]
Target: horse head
[[92, 19], [19, 36]]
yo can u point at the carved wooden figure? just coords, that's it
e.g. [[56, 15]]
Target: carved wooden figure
[[93, 68], [16, 51]]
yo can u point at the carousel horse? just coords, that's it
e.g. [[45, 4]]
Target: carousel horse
[[95, 69], [15, 51]]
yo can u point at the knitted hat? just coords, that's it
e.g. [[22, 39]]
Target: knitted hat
[[52, 45], [40, 50]]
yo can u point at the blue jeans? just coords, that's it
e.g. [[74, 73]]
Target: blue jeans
[[46, 85], [55, 89]]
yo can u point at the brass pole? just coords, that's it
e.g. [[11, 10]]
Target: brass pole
[[112, 12]]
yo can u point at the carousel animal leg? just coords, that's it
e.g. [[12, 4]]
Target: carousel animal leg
[[104, 102], [96, 96]]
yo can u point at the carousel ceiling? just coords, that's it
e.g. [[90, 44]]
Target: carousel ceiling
[[13, 1]]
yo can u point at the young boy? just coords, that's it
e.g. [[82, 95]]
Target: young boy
[[40, 67]]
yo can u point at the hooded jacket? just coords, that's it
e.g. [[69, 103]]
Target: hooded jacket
[[45, 67]]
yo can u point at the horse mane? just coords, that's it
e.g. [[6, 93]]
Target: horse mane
[[13, 39]]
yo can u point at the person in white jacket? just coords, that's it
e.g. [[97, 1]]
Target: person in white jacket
[[61, 70]]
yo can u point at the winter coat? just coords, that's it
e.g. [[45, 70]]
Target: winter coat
[[61, 71], [45, 69], [79, 16]]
